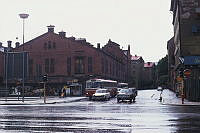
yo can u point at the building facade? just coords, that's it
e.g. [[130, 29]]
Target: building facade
[[186, 21], [137, 70], [67, 59], [149, 75]]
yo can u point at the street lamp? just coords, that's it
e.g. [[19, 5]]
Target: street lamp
[[23, 16]]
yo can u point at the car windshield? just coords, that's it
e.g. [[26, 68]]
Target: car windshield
[[100, 91], [124, 91]]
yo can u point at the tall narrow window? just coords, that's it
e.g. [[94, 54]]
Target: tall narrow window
[[90, 64], [102, 65], [110, 68], [106, 66], [52, 68], [38, 71], [30, 65], [54, 45], [49, 45], [79, 65], [45, 45], [47, 65], [69, 65]]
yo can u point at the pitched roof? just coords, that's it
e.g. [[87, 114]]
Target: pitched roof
[[135, 57], [149, 64]]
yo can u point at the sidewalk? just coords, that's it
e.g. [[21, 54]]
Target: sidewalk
[[37, 100], [170, 98]]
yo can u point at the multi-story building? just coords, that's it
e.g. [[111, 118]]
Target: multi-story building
[[137, 67], [1, 67], [149, 75], [186, 21], [66, 59]]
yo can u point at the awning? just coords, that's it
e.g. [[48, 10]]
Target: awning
[[192, 60]]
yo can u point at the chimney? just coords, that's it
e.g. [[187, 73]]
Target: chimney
[[72, 38], [62, 34], [0, 44], [98, 45], [51, 28], [17, 44], [9, 44], [129, 48]]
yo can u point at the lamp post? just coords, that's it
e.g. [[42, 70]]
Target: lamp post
[[23, 16]]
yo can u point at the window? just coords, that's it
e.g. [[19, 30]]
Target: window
[[38, 70], [69, 65], [54, 45], [49, 45], [45, 46], [30, 65], [106, 66], [47, 65], [90, 64], [52, 68], [110, 69], [79, 65], [102, 65]]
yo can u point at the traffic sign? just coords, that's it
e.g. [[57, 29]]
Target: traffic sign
[[187, 72]]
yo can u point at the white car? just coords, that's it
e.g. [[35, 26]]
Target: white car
[[101, 94]]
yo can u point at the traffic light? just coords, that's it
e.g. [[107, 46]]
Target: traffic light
[[45, 78]]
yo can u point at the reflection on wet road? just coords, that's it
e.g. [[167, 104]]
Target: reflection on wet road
[[145, 115]]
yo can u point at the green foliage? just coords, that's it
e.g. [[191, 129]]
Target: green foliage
[[162, 67], [162, 71]]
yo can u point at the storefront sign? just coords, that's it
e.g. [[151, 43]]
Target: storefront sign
[[192, 60]]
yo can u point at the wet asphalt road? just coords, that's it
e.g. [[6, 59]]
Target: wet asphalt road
[[146, 115]]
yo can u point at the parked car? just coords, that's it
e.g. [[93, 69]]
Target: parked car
[[127, 94], [101, 94]]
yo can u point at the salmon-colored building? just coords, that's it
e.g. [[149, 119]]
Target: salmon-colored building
[[65, 59]]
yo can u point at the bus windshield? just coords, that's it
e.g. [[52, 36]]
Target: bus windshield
[[93, 85], [122, 85]]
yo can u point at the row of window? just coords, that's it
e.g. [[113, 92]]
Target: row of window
[[49, 45], [49, 66], [112, 68]]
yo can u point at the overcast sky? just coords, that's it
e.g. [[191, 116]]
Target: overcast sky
[[144, 24]]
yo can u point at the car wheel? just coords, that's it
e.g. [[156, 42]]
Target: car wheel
[[131, 100], [90, 98]]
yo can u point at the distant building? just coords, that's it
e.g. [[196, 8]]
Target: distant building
[[137, 68], [67, 59], [149, 75]]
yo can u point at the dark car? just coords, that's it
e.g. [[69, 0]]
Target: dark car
[[127, 94]]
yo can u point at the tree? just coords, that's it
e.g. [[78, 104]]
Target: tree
[[162, 71]]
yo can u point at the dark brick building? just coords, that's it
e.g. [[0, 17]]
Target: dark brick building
[[1, 66], [149, 75], [65, 59]]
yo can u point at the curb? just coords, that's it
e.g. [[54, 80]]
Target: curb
[[177, 104], [41, 103]]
